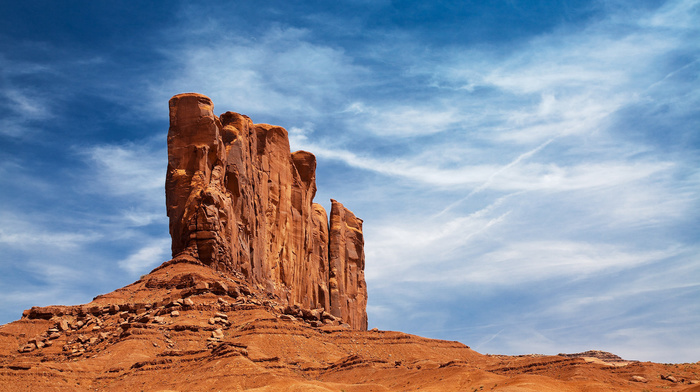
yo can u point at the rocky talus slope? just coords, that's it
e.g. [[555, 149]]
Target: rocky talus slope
[[266, 293], [188, 327]]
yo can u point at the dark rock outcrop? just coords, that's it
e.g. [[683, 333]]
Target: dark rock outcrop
[[238, 200], [602, 355]]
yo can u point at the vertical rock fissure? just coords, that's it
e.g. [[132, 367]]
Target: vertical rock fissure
[[239, 200]]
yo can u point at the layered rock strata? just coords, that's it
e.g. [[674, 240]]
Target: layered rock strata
[[238, 200]]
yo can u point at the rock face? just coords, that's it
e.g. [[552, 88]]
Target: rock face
[[347, 265], [238, 200], [602, 355]]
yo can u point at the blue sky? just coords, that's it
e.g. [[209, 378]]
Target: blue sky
[[528, 172]]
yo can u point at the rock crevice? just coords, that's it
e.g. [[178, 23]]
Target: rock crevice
[[239, 200]]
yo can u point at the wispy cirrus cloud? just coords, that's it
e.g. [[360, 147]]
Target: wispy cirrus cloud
[[517, 175], [146, 257], [410, 120], [20, 232], [280, 73], [129, 179], [127, 170], [23, 107]]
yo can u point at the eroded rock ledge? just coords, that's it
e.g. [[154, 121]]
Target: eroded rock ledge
[[239, 200]]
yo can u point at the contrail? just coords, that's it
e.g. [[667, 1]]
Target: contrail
[[489, 180], [517, 160]]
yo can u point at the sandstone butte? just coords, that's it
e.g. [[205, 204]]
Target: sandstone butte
[[240, 202], [265, 293]]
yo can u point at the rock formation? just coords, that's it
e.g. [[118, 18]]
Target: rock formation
[[597, 354], [238, 200], [238, 306]]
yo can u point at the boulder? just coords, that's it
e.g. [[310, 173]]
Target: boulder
[[63, 325], [220, 288], [217, 333], [669, 378]]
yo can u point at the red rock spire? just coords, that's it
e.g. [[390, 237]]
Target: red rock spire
[[238, 200]]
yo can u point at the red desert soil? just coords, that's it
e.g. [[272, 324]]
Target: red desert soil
[[187, 327]]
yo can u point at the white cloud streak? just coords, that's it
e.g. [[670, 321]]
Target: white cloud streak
[[22, 232], [127, 171], [517, 263], [406, 121], [280, 73], [147, 257]]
